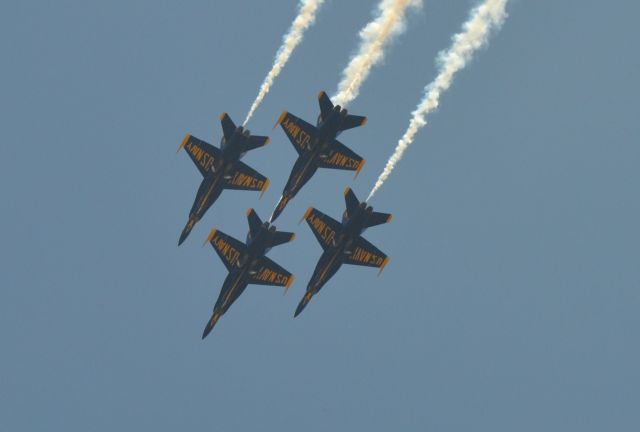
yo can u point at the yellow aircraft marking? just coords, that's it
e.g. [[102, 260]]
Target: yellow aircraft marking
[[267, 275], [326, 233], [206, 197], [384, 264], [289, 282], [365, 257], [264, 188], [282, 116], [328, 266], [360, 166], [232, 289], [306, 214], [299, 177], [184, 142], [211, 234]]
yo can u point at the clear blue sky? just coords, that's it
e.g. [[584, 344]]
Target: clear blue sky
[[512, 299]]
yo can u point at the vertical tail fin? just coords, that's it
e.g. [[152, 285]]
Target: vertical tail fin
[[254, 221], [228, 126], [351, 201], [326, 106]]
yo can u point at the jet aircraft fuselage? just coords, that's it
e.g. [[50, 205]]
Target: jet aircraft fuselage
[[247, 263], [221, 168], [343, 242], [317, 146]]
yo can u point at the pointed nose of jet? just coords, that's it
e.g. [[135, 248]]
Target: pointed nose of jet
[[186, 231], [303, 304], [279, 208], [212, 322]]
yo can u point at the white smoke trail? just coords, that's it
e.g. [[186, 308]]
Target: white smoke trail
[[306, 17], [388, 23], [475, 32]]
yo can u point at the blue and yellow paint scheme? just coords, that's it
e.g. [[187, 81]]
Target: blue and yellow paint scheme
[[342, 242], [221, 167], [317, 146], [247, 263]]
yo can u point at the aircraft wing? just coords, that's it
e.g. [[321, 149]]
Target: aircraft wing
[[228, 248], [270, 273], [203, 154], [325, 228], [244, 177], [297, 130], [365, 254], [341, 157]]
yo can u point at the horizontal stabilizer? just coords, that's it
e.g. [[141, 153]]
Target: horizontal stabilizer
[[377, 218], [352, 121], [282, 237], [255, 141]]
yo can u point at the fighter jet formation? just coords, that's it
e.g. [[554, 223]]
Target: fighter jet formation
[[317, 147]]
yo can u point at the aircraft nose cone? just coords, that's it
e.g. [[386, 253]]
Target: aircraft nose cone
[[183, 237], [303, 303], [186, 231], [279, 208], [212, 322]]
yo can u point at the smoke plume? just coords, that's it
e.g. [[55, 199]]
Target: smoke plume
[[306, 17], [389, 22], [475, 32]]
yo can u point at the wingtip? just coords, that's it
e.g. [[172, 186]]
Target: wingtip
[[288, 285], [306, 215], [360, 166], [364, 121], [282, 116], [346, 190], [223, 115], [211, 235], [384, 264], [390, 218], [184, 142], [264, 188]]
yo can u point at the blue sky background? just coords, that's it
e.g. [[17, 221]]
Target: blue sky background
[[511, 300]]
